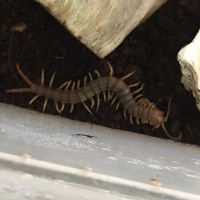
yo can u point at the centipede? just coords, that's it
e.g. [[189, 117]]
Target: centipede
[[134, 104]]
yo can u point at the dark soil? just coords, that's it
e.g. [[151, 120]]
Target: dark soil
[[152, 47]]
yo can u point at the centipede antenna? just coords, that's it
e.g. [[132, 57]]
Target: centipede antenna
[[169, 136], [52, 79], [72, 108], [113, 100], [92, 102], [125, 114], [86, 107], [33, 99], [134, 85], [59, 109], [90, 76], [98, 102], [42, 77], [117, 105], [111, 69], [138, 90], [26, 79], [128, 75], [168, 109], [97, 73], [131, 119]]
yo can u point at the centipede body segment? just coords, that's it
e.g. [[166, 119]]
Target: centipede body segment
[[134, 104]]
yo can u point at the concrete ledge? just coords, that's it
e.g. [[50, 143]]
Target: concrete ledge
[[88, 155]]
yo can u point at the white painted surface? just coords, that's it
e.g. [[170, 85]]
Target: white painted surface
[[113, 160], [21, 186]]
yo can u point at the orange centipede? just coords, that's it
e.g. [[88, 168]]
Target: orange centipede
[[134, 104]]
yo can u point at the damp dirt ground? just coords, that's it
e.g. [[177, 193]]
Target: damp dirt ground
[[34, 39]]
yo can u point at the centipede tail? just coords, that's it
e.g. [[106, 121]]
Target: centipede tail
[[134, 104]]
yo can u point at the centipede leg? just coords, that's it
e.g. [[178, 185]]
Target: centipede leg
[[104, 96], [125, 115], [66, 85], [127, 76], [73, 86], [85, 80], [109, 96], [26, 79], [111, 69], [45, 104], [138, 97], [113, 100], [91, 99], [131, 119], [92, 102], [137, 121], [59, 110], [98, 102], [90, 76], [42, 83], [117, 105], [72, 108], [86, 107], [50, 84], [78, 84], [138, 90], [33, 99], [134, 85], [97, 73]]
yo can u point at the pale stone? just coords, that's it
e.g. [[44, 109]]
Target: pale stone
[[189, 59], [101, 24]]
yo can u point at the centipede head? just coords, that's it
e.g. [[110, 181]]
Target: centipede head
[[157, 118]]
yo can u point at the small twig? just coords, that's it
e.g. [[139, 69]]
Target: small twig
[[17, 28]]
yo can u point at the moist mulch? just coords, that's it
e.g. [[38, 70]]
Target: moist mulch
[[151, 50]]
